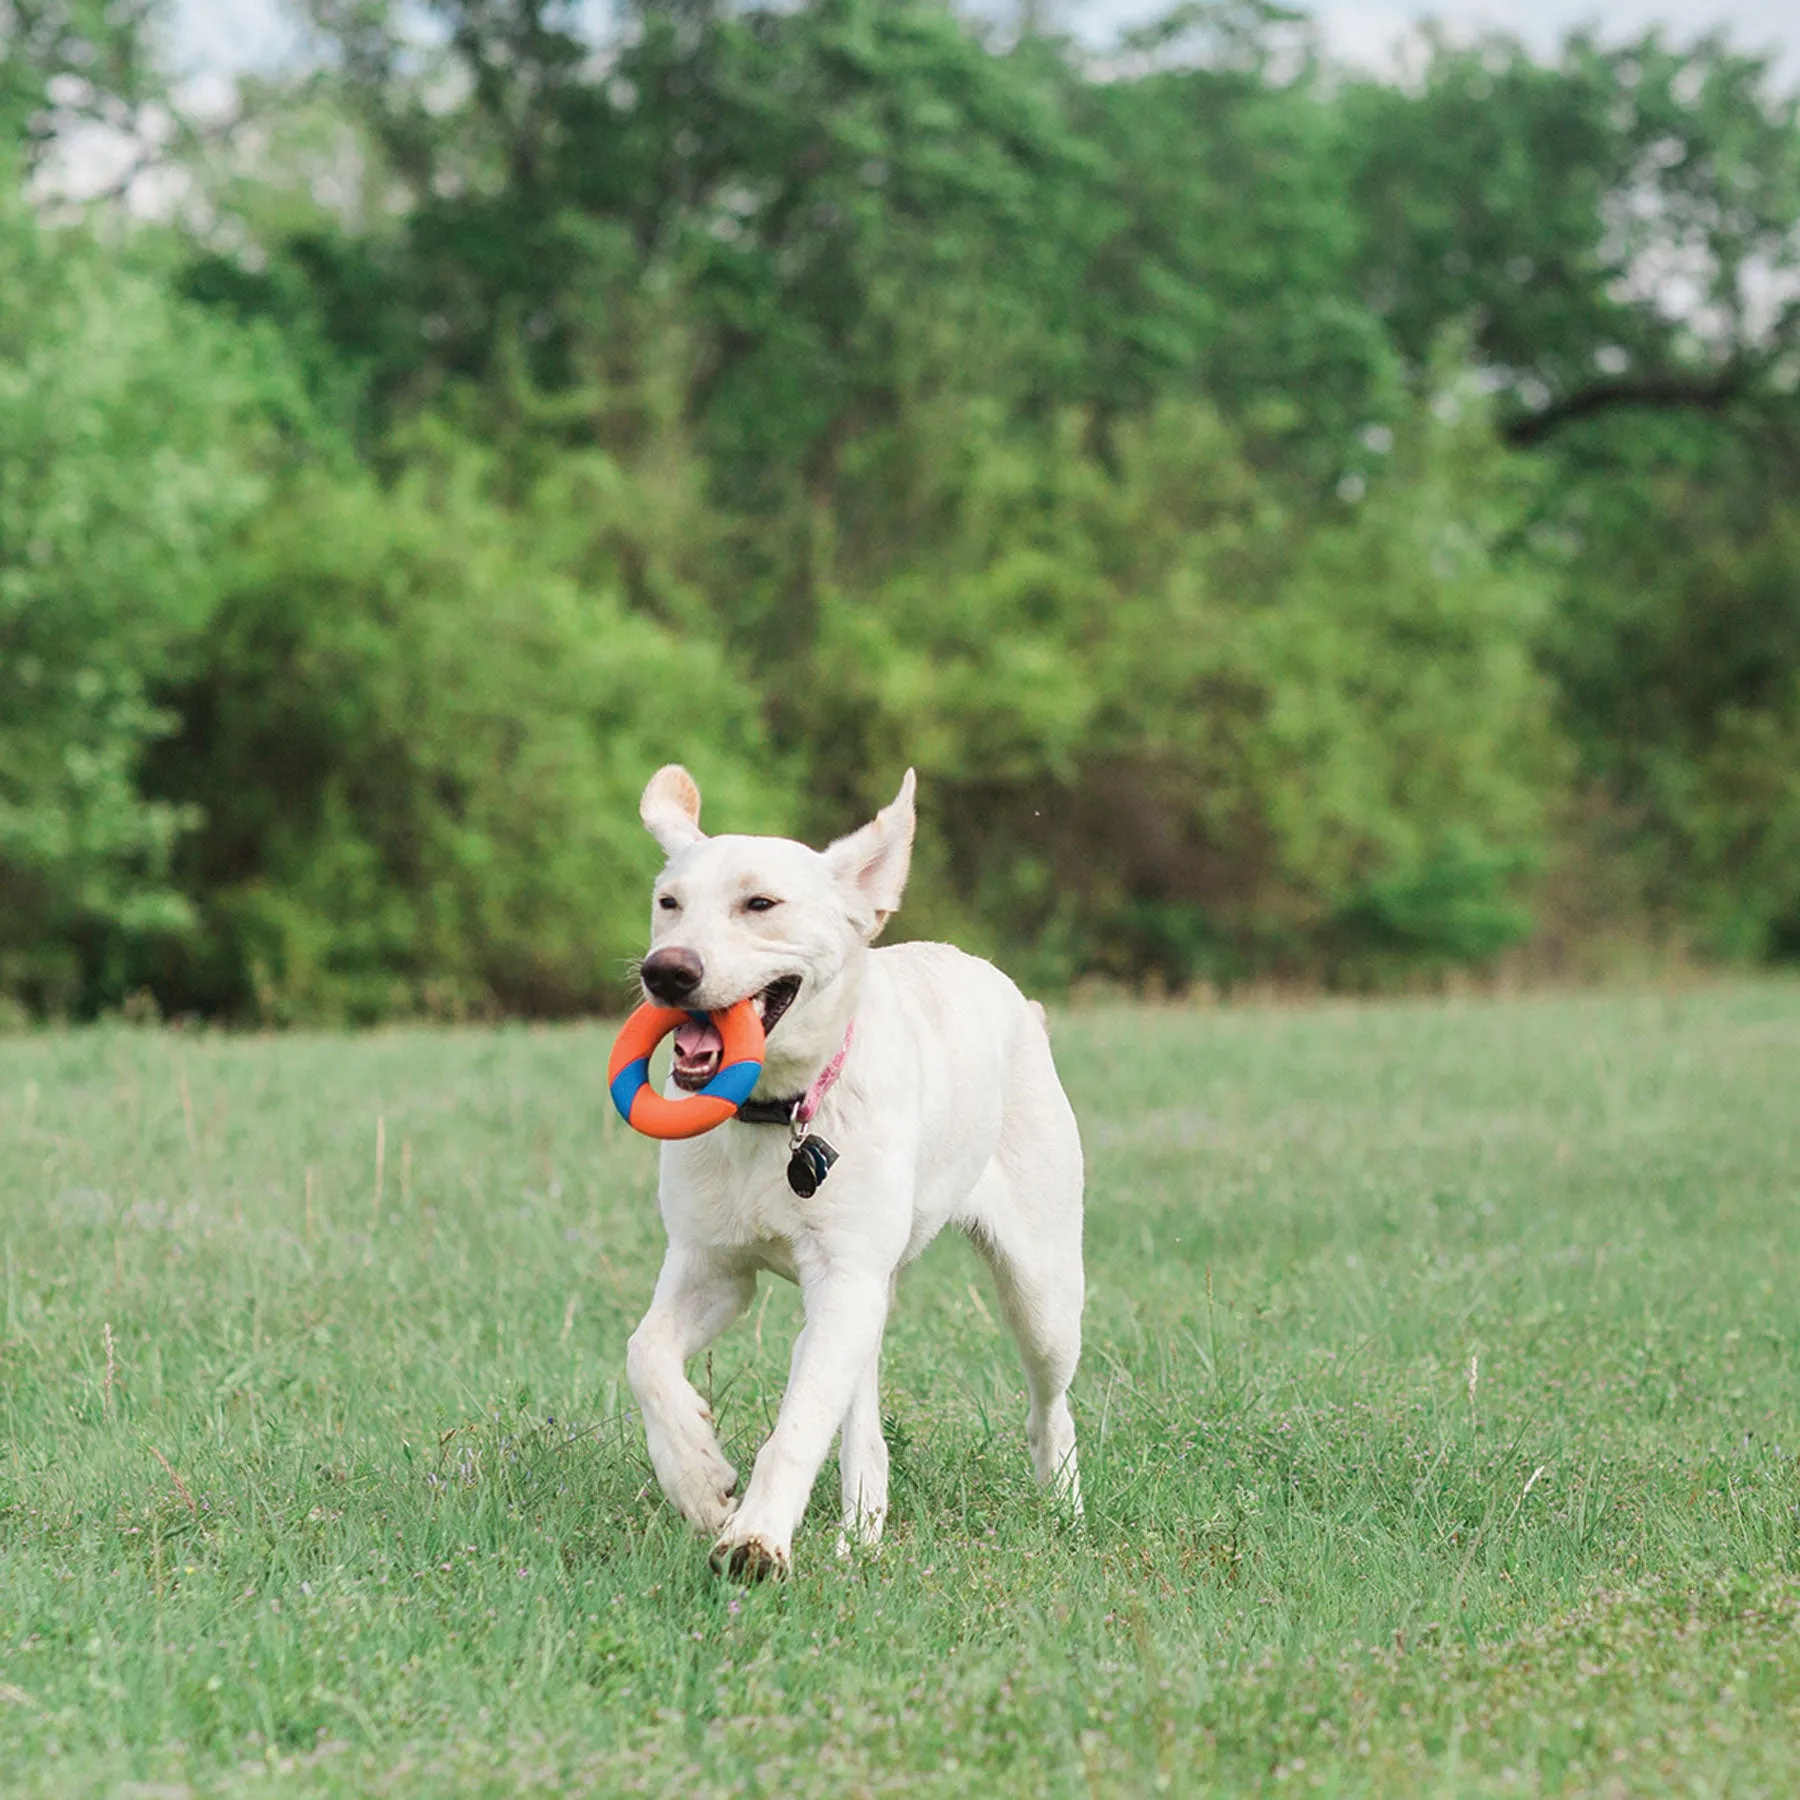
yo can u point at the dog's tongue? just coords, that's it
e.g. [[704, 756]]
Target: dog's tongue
[[696, 1039], [698, 1052]]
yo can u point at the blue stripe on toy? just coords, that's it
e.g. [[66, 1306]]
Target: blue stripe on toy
[[734, 1084], [626, 1083]]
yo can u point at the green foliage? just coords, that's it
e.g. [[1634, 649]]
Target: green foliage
[[416, 747], [1679, 651], [74, 62], [1229, 256], [131, 428], [1436, 1415], [1168, 721], [1618, 225], [876, 386]]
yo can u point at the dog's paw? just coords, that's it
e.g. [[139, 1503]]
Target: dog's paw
[[711, 1513], [853, 1545], [749, 1559], [709, 1500], [860, 1533]]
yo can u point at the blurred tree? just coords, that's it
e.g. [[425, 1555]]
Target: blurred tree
[[806, 178], [65, 64], [1230, 264], [1169, 720], [811, 388], [131, 433], [1619, 228], [1676, 648], [1619, 232], [414, 748]]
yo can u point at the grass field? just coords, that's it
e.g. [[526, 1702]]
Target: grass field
[[1439, 1426]]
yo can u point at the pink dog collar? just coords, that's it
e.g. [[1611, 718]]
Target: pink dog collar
[[826, 1079], [799, 1111]]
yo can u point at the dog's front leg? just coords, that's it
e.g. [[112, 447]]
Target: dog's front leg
[[697, 1296], [836, 1355]]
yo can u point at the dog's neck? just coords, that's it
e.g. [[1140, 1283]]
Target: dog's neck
[[812, 1033]]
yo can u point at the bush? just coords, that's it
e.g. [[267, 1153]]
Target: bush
[[417, 748], [132, 430], [1677, 651], [1172, 721]]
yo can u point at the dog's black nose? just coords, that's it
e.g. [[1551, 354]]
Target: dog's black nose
[[671, 976]]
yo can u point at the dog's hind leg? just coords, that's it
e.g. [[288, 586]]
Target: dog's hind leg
[[1040, 1297], [696, 1299], [1025, 1219], [863, 1464]]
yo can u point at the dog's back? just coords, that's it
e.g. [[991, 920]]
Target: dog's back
[[984, 1048]]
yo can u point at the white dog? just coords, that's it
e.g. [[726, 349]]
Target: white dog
[[902, 1090]]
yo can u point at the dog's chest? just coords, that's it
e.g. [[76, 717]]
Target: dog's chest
[[736, 1194]]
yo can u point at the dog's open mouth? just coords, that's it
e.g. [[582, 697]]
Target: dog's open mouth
[[698, 1051]]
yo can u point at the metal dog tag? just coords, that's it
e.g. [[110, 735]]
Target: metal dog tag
[[809, 1165]]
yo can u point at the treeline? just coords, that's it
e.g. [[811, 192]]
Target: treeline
[[1297, 524]]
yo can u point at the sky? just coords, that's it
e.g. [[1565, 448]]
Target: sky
[[216, 37], [1366, 29]]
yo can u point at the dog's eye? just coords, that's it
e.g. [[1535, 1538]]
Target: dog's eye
[[668, 903], [760, 903]]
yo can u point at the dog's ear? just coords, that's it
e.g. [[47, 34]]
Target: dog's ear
[[670, 809], [871, 864]]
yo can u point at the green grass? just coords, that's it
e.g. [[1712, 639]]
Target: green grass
[[1439, 1419]]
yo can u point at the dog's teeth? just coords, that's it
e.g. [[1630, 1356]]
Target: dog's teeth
[[757, 1002]]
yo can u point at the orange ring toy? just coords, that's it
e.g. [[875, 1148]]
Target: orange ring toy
[[628, 1072]]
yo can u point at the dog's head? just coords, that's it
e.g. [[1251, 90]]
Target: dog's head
[[763, 918]]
